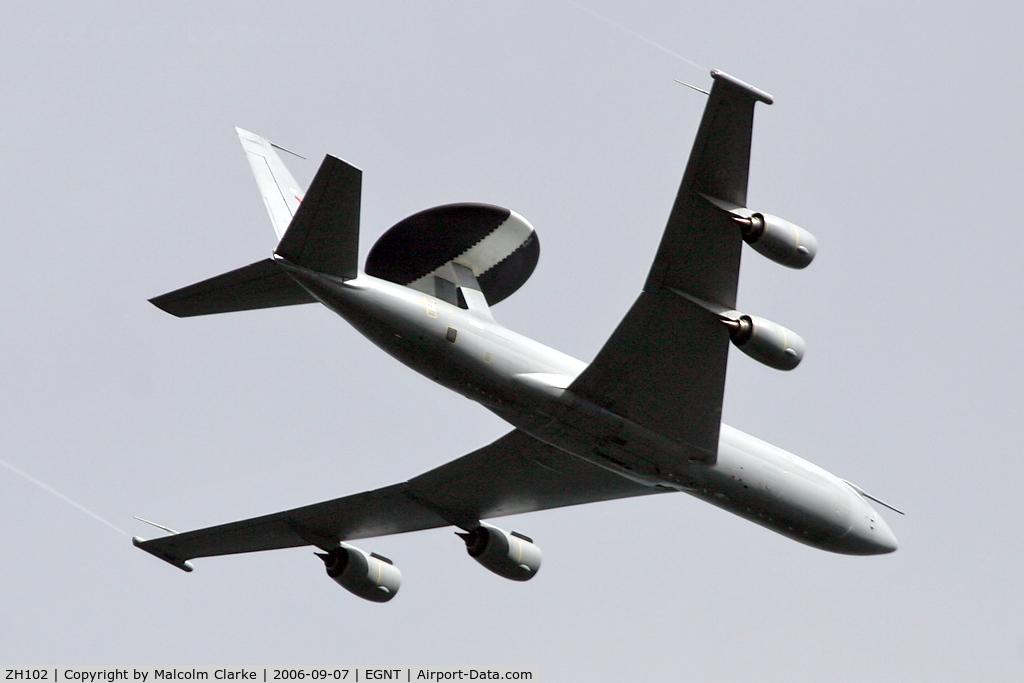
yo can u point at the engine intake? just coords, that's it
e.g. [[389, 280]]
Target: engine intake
[[767, 342], [511, 555], [367, 575], [779, 240]]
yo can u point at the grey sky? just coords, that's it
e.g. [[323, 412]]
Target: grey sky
[[895, 138]]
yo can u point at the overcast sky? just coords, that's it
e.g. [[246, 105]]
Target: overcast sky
[[895, 139]]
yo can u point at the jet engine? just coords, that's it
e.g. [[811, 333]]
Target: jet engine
[[511, 555], [767, 342], [779, 240], [367, 575]]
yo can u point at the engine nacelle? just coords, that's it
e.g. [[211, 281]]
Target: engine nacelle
[[767, 342], [511, 555], [367, 575], [779, 240]]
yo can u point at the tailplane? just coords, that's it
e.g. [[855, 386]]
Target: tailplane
[[259, 285]]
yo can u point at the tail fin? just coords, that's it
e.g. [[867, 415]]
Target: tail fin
[[323, 233], [281, 194], [323, 236]]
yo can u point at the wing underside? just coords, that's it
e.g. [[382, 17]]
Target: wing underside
[[664, 366], [513, 475]]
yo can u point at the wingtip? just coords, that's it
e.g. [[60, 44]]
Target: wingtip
[[183, 565], [755, 93], [164, 305]]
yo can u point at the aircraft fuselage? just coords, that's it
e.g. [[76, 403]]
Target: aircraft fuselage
[[526, 383]]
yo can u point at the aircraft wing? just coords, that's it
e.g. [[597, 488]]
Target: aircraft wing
[[515, 474], [664, 366]]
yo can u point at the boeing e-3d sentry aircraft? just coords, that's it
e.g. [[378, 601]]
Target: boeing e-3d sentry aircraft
[[642, 418]]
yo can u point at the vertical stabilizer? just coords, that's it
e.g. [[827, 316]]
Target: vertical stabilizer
[[281, 194], [324, 235]]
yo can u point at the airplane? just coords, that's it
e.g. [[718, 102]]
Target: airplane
[[643, 418]]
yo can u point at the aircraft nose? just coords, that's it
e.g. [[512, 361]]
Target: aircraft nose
[[883, 537], [868, 534]]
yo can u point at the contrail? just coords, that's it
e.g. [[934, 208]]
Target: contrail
[[60, 495], [636, 35]]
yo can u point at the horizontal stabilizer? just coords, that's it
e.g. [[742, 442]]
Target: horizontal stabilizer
[[324, 235], [259, 285]]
